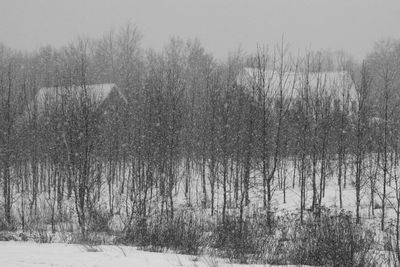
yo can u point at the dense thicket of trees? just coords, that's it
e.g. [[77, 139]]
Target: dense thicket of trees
[[191, 131]]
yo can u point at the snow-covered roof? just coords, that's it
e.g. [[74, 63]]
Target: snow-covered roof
[[294, 84], [96, 92]]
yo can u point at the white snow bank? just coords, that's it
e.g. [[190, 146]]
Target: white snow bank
[[26, 254]]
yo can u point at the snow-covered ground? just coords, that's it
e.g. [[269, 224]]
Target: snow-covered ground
[[27, 254], [56, 254]]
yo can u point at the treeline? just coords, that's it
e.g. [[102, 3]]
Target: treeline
[[214, 130]]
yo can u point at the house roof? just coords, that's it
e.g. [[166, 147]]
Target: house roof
[[96, 92], [53, 95], [294, 84]]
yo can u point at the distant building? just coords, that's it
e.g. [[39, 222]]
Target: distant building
[[297, 86], [99, 93], [47, 98]]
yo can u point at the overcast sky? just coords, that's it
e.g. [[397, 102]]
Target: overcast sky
[[221, 25]]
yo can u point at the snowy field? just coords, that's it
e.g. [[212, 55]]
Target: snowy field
[[27, 254], [19, 253]]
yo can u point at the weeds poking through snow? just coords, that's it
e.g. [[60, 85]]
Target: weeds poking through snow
[[90, 248]]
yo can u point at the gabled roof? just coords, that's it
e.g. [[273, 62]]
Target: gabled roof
[[294, 84], [56, 95], [96, 92]]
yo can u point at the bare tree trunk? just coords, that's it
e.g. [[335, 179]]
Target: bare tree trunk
[[203, 182]]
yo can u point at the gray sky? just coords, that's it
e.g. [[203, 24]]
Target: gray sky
[[221, 25]]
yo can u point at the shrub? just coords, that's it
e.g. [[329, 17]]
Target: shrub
[[183, 234], [8, 226], [243, 241], [99, 220], [5, 226], [334, 239]]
